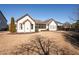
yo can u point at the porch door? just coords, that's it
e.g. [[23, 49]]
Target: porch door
[[27, 27]]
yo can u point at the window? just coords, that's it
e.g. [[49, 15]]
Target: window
[[31, 26], [21, 26], [41, 26]]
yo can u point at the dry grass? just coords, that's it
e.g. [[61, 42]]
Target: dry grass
[[9, 41]]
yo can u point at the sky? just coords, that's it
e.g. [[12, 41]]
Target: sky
[[59, 12]]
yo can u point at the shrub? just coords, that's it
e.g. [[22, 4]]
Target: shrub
[[12, 26]]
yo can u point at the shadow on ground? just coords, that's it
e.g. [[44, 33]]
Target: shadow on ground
[[73, 38]]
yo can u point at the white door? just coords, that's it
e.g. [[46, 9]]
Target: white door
[[27, 27]]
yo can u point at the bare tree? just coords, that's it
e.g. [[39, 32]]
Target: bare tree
[[75, 23]]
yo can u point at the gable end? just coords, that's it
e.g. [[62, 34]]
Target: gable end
[[23, 17]]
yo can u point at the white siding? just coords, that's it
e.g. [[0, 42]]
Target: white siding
[[60, 24], [52, 26], [41, 30], [25, 25], [47, 26]]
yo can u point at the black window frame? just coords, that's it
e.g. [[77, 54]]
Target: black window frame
[[31, 26], [21, 27]]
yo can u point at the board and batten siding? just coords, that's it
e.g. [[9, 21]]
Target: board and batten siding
[[27, 24]]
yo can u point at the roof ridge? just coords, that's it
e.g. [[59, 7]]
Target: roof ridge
[[24, 16]]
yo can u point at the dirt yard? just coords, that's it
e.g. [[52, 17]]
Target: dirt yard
[[9, 41]]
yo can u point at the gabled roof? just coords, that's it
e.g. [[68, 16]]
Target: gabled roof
[[50, 20], [24, 16], [39, 21], [3, 16], [59, 22]]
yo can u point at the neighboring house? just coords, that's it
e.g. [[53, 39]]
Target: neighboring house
[[27, 24], [3, 22], [66, 26]]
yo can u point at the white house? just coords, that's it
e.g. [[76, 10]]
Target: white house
[[27, 24]]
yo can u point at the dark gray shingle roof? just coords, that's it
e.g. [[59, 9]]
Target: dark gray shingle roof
[[2, 16], [24, 16], [39, 21]]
